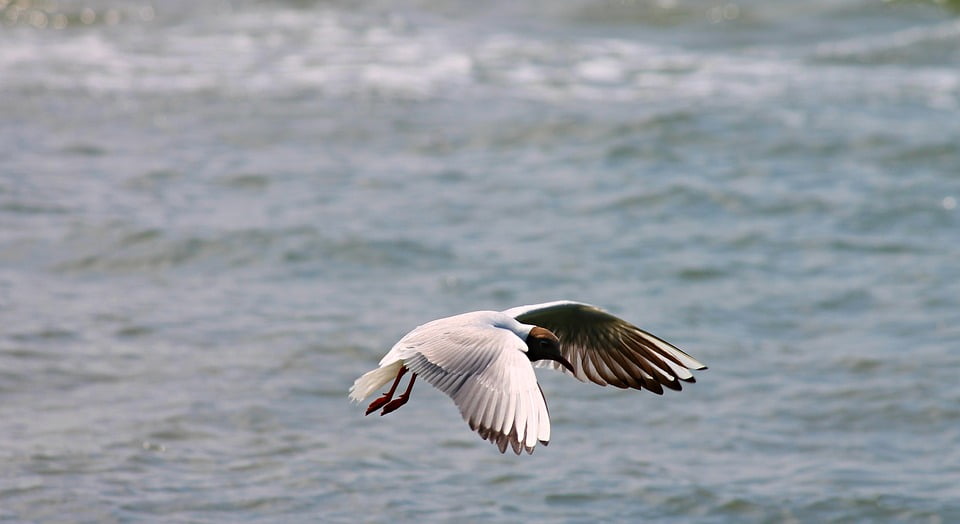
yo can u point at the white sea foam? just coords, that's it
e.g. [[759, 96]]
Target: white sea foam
[[254, 52]]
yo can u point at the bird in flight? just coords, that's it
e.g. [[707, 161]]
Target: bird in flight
[[484, 361]]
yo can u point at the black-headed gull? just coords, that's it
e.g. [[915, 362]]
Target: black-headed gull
[[483, 361]]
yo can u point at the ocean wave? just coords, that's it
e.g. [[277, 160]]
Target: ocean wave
[[118, 249], [336, 54]]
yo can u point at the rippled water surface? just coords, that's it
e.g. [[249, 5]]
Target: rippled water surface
[[215, 215]]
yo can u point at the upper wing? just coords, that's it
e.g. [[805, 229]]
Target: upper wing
[[608, 350], [490, 379]]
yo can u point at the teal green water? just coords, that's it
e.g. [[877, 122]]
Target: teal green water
[[214, 217]]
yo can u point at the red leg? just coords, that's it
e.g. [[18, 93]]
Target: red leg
[[402, 399], [378, 403]]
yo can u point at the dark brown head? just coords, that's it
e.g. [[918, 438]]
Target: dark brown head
[[544, 345]]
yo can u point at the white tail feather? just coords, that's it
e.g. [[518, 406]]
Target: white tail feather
[[373, 380]]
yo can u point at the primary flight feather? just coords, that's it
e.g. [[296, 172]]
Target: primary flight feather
[[484, 361]]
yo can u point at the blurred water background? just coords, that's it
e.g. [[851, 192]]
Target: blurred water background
[[215, 215]]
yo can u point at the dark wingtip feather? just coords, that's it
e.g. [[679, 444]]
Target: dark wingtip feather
[[673, 384], [501, 440]]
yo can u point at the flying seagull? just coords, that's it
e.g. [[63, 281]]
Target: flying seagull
[[484, 361]]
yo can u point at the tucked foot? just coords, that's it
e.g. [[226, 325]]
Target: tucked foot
[[378, 403], [394, 404]]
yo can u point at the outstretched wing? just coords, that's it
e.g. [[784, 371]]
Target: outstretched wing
[[605, 349], [490, 379]]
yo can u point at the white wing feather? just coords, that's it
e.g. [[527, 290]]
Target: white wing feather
[[485, 370]]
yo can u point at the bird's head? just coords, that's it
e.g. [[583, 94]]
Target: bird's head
[[544, 345]]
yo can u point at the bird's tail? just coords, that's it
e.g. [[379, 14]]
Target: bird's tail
[[374, 380]]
